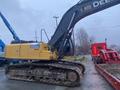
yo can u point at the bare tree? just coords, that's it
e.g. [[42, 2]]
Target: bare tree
[[115, 47], [83, 42]]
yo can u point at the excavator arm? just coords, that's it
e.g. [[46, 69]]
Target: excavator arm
[[16, 40], [15, 36], [82, 9]]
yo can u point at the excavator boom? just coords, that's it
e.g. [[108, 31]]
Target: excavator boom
[[17, 40], [15, 36], [73, 15]]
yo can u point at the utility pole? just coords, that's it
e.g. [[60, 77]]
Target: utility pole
[[36, 38], [56, 19]]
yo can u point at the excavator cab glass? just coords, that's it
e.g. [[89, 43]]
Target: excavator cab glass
[[35, 45]]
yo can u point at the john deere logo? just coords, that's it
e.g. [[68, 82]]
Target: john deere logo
[[101, 2]]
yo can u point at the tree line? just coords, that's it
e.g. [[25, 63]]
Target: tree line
[[83, 42]]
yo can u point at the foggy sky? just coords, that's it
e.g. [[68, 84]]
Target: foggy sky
[[26, 16]]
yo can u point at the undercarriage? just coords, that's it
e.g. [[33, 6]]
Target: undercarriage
[[50, 72]]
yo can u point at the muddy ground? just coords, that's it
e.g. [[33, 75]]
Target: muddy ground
[[91, 81]]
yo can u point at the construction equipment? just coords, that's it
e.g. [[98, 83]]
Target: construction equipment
[[107, 63], [2, 47], [15, 36], [102, 54], [96, 47], [16, 40], [45, 60]]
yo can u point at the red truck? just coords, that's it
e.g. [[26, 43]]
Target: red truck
[[107, 63], [95, 50]]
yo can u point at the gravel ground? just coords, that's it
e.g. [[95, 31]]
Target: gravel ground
[[91, 81]]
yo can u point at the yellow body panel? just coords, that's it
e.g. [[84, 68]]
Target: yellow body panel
[[30, 51]]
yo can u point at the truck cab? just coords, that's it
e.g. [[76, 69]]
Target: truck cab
[[96, 47]]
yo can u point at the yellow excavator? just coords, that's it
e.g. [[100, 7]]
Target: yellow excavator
[[42, 62]]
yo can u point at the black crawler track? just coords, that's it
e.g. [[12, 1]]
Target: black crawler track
[[50, 72]]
